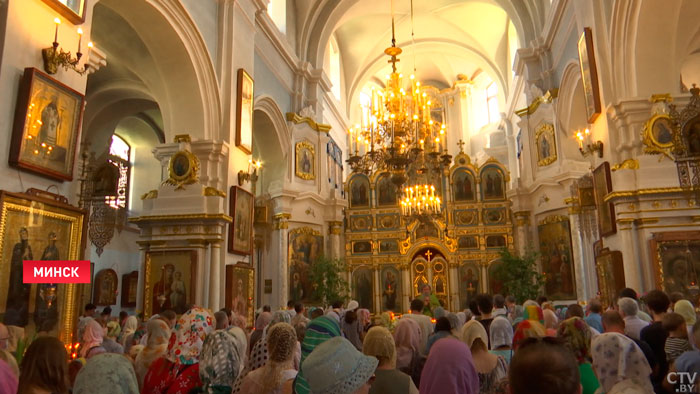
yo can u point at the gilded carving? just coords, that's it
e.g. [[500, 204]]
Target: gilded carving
[[183, 169], [629, 164], [297, 119], [305, 163], [213, 192], [150, 195]]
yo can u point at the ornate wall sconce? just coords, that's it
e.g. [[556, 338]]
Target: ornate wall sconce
[[586, 146], [248, 176], [55, 57]]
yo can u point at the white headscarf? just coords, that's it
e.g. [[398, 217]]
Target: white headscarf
[[617, 358], [501, 332]]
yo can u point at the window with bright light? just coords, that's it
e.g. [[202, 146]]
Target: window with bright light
[[277, 9], [334, 67], [492, 102], [120, 157]]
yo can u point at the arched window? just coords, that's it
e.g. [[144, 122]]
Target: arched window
[[120, 157], [334, 67], [277, 9], [492, 102]]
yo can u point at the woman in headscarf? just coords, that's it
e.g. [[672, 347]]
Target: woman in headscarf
[[363, 315], [533, 312], [219, 363], [686, 309], [409, 358], [92, 340], [351, 328], [260, 323], [177, 372], [577, 337], [107, 373], [490, 367], [281, 341], [8, 379], [620, 365], [241, 342], [380, 344], [319, 330], [130, 326], [462, 319], [439, 312], [550, 322], [449, 370], [109, 341], [527, 329], [44, 368], [156, 346], [443, 329], [454, 323], [501, 338]]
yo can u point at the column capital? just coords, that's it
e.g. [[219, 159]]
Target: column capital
[[335, 227], [522, 218], [281, 220]]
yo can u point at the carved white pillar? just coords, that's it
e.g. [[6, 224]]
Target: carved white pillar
[[577, 253], [215, 276], [523, 239], [334, 230], [633, 272], [280, 236]]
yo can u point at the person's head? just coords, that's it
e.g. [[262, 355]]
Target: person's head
[[107, 368], [169, 316], [474, 335], [550, 319], [300, 329], [613, 322], [319, 330], [407, 334], [686, 309], [541, 299], [113, 330], [499, 301], [627, 306], [443, 324], [484, 303], [657, 301], [353, 305], [221, 320], [280, 317], [299, 307], [337, 304], [106, 313], [318, 312], [266, 308], [122, 316], [674, 325], [527, 329], [90, 310], [45, 367], [23, 234], [190, 330], [426, 290], [350, 316], [675, 297], [336, 366], [290, 304], [617, 358], [594, 306], [379, 343], [510, 301], [629, 293], [281, 343], [527, 375], [501, 333], [474, 308], [576, 336], [449, 369], [574, 310], [417, 306], [219, 362]]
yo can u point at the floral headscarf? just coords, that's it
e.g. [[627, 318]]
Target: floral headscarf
[[577, 337], [528, 329], [219, 362], [363, 315], [533, 312], [156, 346], [617, 358], [501, 333], [106, 373], [188, 336]]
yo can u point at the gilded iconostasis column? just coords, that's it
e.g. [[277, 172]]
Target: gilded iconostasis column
[[454, 284], [280, 235], [377, 301], [407, 285], [335, 228]]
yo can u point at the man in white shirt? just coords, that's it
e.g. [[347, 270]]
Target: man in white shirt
[[424, 322], [628, 310]]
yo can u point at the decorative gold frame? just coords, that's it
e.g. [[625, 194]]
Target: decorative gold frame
[[651, 144], [244, 270], [589, 74], [43, 205], [76, 17], [546, 128], [671, 238], [244, 132], [148, 267], [297, 162], [190, 176]]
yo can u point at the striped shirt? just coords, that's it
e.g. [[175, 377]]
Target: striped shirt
[[674, 347]]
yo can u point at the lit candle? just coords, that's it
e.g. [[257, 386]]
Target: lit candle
[[55, 35], [80, 38]]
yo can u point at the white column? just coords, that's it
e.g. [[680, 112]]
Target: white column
[[334, 230], [577, 254], [143, 248], [630, 242], [523, 240], [279, 243], [215, 275]]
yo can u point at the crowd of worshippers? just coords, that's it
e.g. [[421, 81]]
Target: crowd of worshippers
[[639, 345]]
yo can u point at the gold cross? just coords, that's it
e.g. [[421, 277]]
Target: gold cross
[[461, 145], [428, 254]]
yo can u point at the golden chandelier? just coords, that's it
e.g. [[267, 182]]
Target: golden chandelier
[[398, 133]]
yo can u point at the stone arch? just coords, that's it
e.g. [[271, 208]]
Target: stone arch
[[270, 131], [570, 108]]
